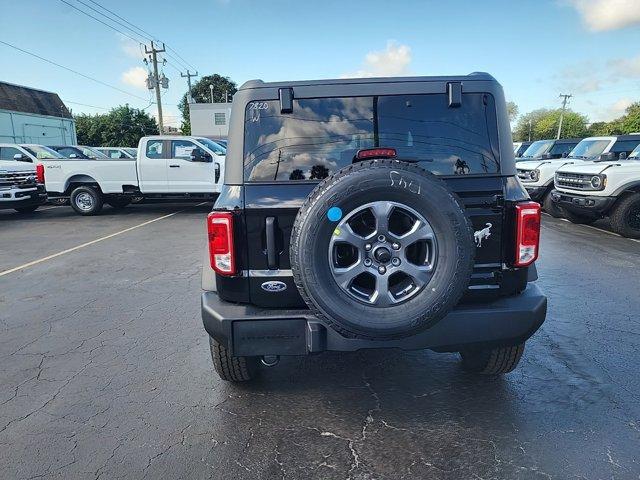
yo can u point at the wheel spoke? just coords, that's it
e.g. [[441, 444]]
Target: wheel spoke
[[382, 297], [421, 274], [419, 231], [344, 276], [382, 211], [347, 235]]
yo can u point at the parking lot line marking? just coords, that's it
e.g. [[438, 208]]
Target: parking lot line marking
[[78, 247]]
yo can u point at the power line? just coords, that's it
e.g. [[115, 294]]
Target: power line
[[100, 21], [146, 35], [73, 71]]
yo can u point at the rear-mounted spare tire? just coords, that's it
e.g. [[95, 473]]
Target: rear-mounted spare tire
[[381, 250]]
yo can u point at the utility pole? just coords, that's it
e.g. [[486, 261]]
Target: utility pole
[[154, 51], [530, 129], [565, 98], [188, 77]]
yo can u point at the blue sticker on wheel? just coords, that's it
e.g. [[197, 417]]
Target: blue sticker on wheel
[[334, 214]]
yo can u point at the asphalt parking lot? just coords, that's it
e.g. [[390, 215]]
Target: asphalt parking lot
[[106, 371]]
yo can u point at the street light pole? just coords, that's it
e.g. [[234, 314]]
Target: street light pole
[[211, 90]]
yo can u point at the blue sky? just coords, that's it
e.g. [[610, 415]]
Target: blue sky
[[536, 49]]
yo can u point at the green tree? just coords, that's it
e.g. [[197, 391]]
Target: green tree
[[223, 89], [512, 110], [543, 124], [123, 126], [630, 122]]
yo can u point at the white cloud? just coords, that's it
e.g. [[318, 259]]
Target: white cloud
[[393, 60], [601, 15], [129, 47], [135, 77], [617, 109], [627, 67]]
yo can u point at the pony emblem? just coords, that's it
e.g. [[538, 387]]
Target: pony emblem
[[482, 234]]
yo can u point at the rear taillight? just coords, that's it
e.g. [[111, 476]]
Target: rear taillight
[[527, 233], [40, 173], [221, 250]]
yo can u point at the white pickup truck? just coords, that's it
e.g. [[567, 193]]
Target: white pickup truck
[[588, 191], [21, 185], [537, 175], [166, 167]]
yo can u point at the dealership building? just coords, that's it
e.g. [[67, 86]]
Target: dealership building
[[28, 115], [210, 119]]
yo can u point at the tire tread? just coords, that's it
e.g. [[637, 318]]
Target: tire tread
[[228, 367]]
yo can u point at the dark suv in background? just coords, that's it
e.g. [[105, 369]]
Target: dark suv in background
[[371, 213]]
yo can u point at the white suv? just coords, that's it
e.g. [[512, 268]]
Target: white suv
[[537, 175], [588, 191]]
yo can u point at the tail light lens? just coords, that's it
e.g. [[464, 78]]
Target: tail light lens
[[527, 233], [40, 173], [221, 249], [376, 153]]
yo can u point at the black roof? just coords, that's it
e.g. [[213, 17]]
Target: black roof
[[29, 100], [347, 81]]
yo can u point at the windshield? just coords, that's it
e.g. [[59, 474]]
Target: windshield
[[589, 149], [635, 154], [41, 152], [92, 152], [537, 149], [322, 135], [131, 151], [213, 146]]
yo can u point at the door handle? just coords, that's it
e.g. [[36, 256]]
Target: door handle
[[174, 166]]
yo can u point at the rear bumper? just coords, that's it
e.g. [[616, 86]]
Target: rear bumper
[[583, 204], [249, 330], [21, 197]]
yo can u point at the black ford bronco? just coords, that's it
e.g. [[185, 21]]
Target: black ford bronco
[[371, 213]]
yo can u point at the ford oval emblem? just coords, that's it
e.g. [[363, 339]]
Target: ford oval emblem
[[274, 286]]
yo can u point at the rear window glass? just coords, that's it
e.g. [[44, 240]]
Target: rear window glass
[[322, 135]]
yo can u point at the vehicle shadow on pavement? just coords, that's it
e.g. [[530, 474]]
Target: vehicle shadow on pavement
[[380, 414]]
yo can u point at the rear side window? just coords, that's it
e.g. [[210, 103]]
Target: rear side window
[[562, 148], [625, 146], [322, 135], [154, 149]]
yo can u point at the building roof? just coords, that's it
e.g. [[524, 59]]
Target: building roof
[[29, 100]]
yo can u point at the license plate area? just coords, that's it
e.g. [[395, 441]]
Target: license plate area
[[269, 337]]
